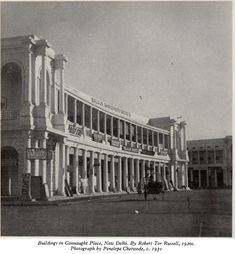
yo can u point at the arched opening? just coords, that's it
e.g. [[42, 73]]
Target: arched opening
[[9, 171], [11, 88]]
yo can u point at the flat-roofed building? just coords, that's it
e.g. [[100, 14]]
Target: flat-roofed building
[[57, 140], [210, 163]]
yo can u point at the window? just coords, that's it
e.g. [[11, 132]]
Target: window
[[133, 130], [70, 105], [101, 121], [155, 138], [145, 136], [115, 127], [108, 120], [121, 129], [127, 126], [161, 138], [166, 141], [95, 119], [79, 112], [139, 135], [150, 137], [3, 102], [87, 116]]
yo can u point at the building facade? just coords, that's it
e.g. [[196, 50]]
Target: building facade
[[57, 140], [210, 163]]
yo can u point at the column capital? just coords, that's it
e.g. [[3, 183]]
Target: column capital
[[59, 62]]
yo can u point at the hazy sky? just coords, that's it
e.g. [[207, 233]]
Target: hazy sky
[[176, 55]]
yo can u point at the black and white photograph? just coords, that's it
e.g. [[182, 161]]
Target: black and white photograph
[[117, 123]]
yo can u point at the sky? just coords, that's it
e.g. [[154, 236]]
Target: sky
[[154, 59]]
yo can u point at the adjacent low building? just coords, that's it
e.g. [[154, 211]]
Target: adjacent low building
[[210, 163], [57, 140]]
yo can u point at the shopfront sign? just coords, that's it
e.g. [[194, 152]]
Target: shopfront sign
[[78, 131], [146, 152], [115, 143], [38, 154], [162, 152], [130, 149], [98, 137]]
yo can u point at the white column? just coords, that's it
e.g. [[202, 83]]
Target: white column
[[119, 176], [105, 173], [42, 163], [132, 172], [61, 104], [112, 127], [91, 119], [61, 180], [186, 174], [99, 174], [137, 172], [112, 184], [83, 118], [84, 169], [125, 173], [75, 172], [136, 132], [54, 102], [35, 165], [215, 178], [75, 110], [49, 176], [91, 172], [199, 178], [118, 131], [105, 126], [43, 83], [98, 120], [154, 171], [142, 136], [26, 163], [207, 176], [143, 170], [124, 132], [67, 155]]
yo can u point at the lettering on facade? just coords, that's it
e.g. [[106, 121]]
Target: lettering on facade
[[146, 152], [164, 153], [130, 149], [105, 105], [115, 143], [38, 154], [98, 137], [75, 130]]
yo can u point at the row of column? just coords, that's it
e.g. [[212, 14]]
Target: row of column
[[141, 138], [125, 172]]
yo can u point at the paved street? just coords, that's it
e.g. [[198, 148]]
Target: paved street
[[207, 213]]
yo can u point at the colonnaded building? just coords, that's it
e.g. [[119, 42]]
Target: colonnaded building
[[57, 140], [210, 163]]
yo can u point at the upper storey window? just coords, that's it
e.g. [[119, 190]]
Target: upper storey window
[[121, 129], [127, 129], [11, 86], [101, 121], [108, 120], [139, 134], [150, 137], [145, 136], [133, 131], [115, 127], [95, 119], [87, 116], [70, 109]]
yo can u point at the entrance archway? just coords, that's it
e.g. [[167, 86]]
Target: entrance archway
[[9, 171]]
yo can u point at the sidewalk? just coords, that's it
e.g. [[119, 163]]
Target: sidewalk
[[57, 200]]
